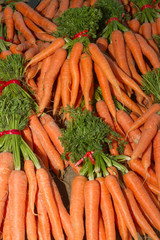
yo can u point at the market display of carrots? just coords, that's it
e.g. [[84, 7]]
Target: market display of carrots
[[80, 88]]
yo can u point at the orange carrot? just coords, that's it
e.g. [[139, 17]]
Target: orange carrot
[[154, 189], [154, 28], [58, 43], [31, 228], [21, 37], [54, 157], [135, 48], [13, 49], [87, 69], [17, 203], [27, 136], [57, 96], [53, 131], [149, 131], [6, 167], [106, 91], [102, 235], [20, 25], [32, 71], [15, 39], [120, 51], [63, 6], [107, 210], [136, 212], [29, 12], [146, 157], [156, 147], [76, 3], [51, 9], [23, 46], [148, 51], [111, 51], [93, 2], [8, 18], [73, 64], [5, 53], [43, 4], [43, 219], [119, 199], [31, 52], [134, 25], [40, 34], [91, 199], [50, 204], [6, 227], [55, 65], [77, 206], [142, 119], [102, 43], [134, 183]]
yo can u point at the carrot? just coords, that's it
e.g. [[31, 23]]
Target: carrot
[[146, 157], [73, 64], [120, 51], [132, 66], [149, 131], [92, 200], [43, 219], [102, 43], [76, 3], [107, 210], [6, 167], [158, 24], [13, 49], [149, 175], [106, 91], [8, 18], [137, 214], [155, 189], [111, 51], [126, 122], [64, 215], [31, 52], [15, 39], [31, 177], [55, 65], [87, 68], [40, 34], [23, 46], [32, 71], [101, 61], [57, 95], [135, 48], [42, 5], [133, 182], [134, 25], [54, 157], [27, 136], [142, 119], [20, 25], [119, 199], [156, 147], [122, 228], [147, 34], [127, 101], [102, 235], [58, 43], [17, 203], [44, 68], [51, 9], [93, 2], [125, 78], [53, 131], [148, 51], [77, 206], [66, 83], [63, 6], [6, 226], [21, 37], [5, 53], [39, 150], [31, 228], [29, 12], [154, 28], [48, 198]]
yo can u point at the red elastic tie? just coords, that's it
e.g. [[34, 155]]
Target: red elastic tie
[[81, 34], [5, 84], [89, 155], [146, 6], [111, 19], [11, 131], [10, 1], [2, 38]]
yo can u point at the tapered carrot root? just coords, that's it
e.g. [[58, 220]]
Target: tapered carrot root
[[8, 18], [31, 227], [156, 149]]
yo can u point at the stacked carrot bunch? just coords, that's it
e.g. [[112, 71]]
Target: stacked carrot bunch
[[80, 59]]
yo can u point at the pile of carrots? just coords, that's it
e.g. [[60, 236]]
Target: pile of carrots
[[30, 203]]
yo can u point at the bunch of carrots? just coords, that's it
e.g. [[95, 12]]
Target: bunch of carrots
[[111, 70]]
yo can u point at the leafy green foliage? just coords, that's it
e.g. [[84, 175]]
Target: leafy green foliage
[[75, 20], [151, 83]]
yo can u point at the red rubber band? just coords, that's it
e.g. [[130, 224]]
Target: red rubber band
[[112, 19], [11, 131], [2, 38], [10, 1], [89, 155], [81, 34], [5, 84], [146, 6]]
